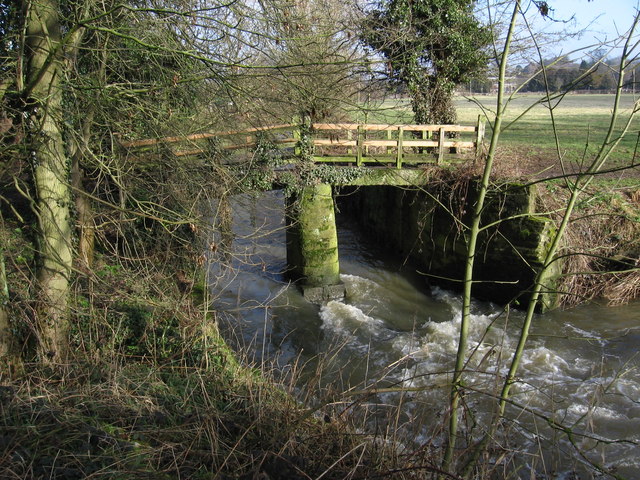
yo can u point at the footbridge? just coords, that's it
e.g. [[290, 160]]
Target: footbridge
[[391, 151], [408, 221]]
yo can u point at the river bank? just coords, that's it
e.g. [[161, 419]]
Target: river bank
[[153, 390]]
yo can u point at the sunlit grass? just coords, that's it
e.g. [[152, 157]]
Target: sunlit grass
[[581, 123]]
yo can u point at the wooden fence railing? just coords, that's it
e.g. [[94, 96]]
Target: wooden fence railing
[[337, 142], [373, 143]]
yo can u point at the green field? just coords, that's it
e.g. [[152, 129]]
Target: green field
[[581, 123]]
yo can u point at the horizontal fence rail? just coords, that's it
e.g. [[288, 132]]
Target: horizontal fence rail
[[333, 142]]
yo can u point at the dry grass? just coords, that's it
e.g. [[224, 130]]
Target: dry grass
[[602, 253], [121, 416], [139, 421]]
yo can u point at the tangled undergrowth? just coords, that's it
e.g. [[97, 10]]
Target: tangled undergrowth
[[140, 402], [138, 420], [152, 391], [601, 257]]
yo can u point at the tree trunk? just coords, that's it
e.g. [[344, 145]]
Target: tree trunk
[[78, 149], [441, 111], [51, 179], [432, 101], [418, 90], [85, 228], [6, 337]]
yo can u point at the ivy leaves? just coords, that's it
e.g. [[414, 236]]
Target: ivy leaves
[[429, 46]]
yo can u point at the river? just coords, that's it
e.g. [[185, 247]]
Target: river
[[394, 332]]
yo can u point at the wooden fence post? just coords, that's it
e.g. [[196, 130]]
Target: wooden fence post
[[441, 136], [399, 148], [359, 146]]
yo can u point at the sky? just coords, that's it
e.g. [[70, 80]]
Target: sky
[[603, 19]]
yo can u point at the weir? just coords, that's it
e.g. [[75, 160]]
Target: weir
[[422, 221], [407, 214]]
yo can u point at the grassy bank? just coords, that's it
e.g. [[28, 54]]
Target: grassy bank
[[137, 420]]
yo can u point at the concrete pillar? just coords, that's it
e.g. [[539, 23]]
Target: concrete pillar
[[312, 244]]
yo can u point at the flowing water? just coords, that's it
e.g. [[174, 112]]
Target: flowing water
[[578, 395]]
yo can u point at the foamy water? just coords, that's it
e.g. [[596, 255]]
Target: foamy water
[[580, 368], [598, 404]]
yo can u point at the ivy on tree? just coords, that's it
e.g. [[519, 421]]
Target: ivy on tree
[[429, 46]]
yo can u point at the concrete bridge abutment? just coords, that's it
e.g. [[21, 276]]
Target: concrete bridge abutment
[[412, 221], [415, 224]]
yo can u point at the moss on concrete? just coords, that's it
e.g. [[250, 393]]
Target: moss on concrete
[[312, 239], [391, 176], [415, 224]]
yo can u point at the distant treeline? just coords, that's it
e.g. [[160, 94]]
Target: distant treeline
[[584, 76]]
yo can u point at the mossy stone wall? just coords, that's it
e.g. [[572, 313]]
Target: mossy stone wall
[[426, 226]]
